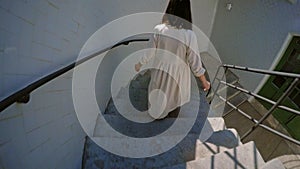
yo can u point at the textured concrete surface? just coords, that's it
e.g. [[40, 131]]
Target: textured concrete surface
[[290, 161], [96, 157], [273, 164], [244, 156], [218, 142]]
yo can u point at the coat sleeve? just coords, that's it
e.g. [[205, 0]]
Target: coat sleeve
[[151, 49], [193, 55]]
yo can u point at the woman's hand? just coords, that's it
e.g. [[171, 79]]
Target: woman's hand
[[206, 86], [205, 83], [138, 67]]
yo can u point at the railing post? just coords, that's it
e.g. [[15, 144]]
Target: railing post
[[285, 94]]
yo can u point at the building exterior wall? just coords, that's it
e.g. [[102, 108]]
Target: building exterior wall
[[44, 133], [253, 32], [36, 38]]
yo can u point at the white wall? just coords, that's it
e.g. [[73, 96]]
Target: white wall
[[40, 36], [252, 33], [37, 37], [203, 12], [44, 133]]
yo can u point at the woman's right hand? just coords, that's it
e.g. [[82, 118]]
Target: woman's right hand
[[206, 86], [137, 67], [205, 83]]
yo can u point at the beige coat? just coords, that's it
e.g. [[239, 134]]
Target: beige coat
[[173, 53]]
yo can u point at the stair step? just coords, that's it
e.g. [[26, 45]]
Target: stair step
[[273, 164], [188, 149], [216, 112], [228, 97], [237, 101], [218, 142], [211, 125], [182, 152], [243, 156], [136, 149], [228, 93], [131, 113], [223, 89], [224, 108], [128, 110], [217, 123], [290, 161], [156, 127], [229, 78], [129, 128]]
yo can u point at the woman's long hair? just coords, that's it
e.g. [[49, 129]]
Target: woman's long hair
[[181, 9]]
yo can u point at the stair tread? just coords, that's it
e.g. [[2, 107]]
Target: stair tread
[[218, 142], [231, 77], [223, 88], [211, 125], [120, 123], [273, 164], [127, 127], [243, 156]]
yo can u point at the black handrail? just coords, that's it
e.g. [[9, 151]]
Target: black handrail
[[23, 95], [260, 97], [261, 71]]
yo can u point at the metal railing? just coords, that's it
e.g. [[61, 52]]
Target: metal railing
[[275, 105], [23, 95]]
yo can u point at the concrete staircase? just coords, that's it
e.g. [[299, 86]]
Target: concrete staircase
[[208, 143]]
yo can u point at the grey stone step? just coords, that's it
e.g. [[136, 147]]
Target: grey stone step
[[273, 164], [119, 123], [222, 108], [238, 100], [106, 125], [123, 104], [211, 125], [132, 113], [218, 142], [188, 149], [219, 107], [228, 93], [290, 161], [127, 127], [223, 89], [244, 156], [229, 78], [96, 157], [216, 112]]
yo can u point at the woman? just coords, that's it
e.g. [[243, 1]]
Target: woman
[[173, 39]]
